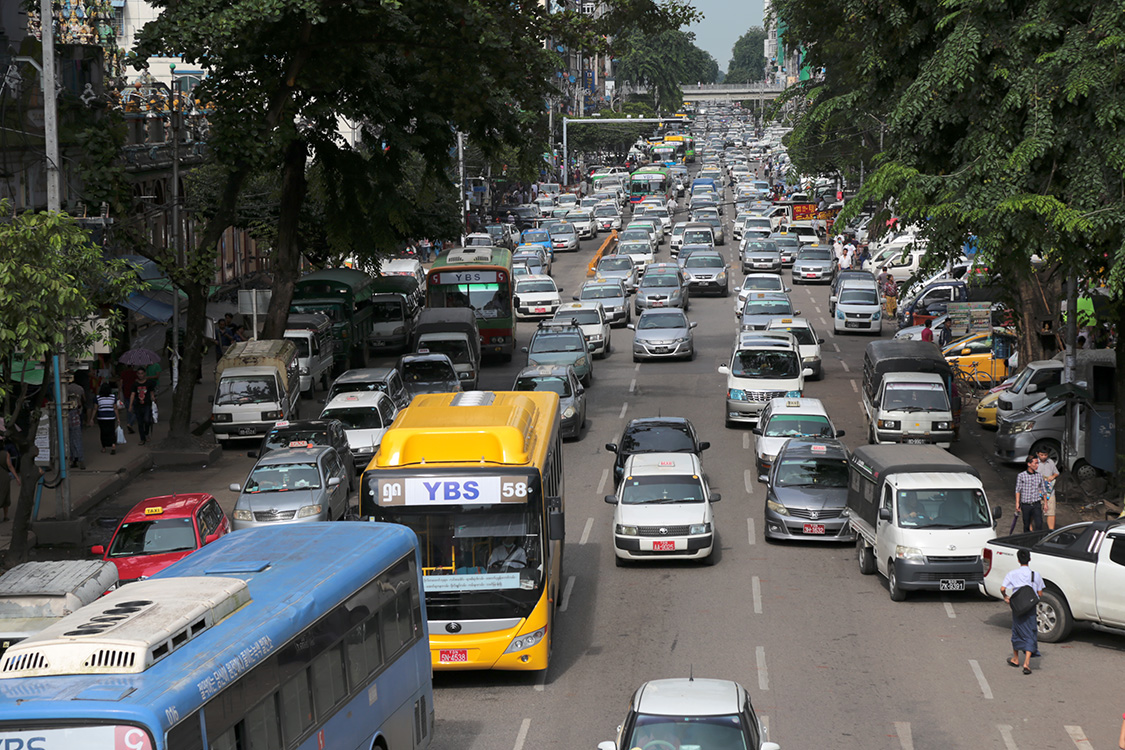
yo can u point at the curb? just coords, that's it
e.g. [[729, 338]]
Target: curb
[[113, 485]]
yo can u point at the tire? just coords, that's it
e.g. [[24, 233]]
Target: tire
[[1054, 620], [1050, 446], [620, 562], [1084, 472], [866, 558], [726, 290], [896, 591]]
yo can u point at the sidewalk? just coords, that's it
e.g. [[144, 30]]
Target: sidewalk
[[107, 474]]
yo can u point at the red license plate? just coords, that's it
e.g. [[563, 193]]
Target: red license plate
[[453, 655], [657, 303], [669, 546], [810, 275], [814, 528], [540, 309]]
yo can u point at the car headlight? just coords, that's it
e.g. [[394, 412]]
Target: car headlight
[[595, 337], [243, 515], [776, 507], [810, 359], [1022, 426], [399, 330], [220, 416], [268, 415], [464, 375], [943, 425], [736, 394], [699, 528], [721, 274], [913, 554], [581, 362], [793, 394], [888, 424], [308, 510], [625, 530], [523, 642], [304, 370], [839, 313], [679, 341], [877, 315], [767, 459], [569, 412]]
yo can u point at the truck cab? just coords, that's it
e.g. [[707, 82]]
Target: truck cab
[[908, 394]]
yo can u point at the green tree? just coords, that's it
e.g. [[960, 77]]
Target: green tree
[[661, 62], [1003, 122], [748, 57], [52, 280]]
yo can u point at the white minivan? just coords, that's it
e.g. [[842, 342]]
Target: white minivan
[[366, 415], [764, 365]]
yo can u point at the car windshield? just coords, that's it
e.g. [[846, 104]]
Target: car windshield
[[797, 425], [696, 237], [364, 386], [333, 311], [615, 264], [252, 389], [660, 279], [812, 472], [960, 508], [814, 255], [428, 371], [803, 335], [911, 397], [688, 732], [858, 297], [601, 292], [356, 417], [530, 237], [562, 229], [302, 346], [634, 234], [534, 286], [630, 246], [481, 241], [290, 438], [604, 212], [661, 488], [547, 383], [650, 321], [704, 261], [153, 537], [765, 363], [555, 342], [584, 317], [283, 477], [767, 307]]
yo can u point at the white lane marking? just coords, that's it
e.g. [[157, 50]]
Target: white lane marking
[[818, 310], [541, 682], [589, 527], [984, 688], [1006, 735], [855, 387], [748, 477], [763, 675], [605, 478], [624, 406], [1079, 738], [835, 346], [905, 737], [764, 721], [949, 610], [845, 366], [750, 530], [756, 584], [831, 331], [524, 726], [746, 441], [632, 385], [637, 368], [566, 593]]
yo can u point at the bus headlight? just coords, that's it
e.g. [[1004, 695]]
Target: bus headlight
[[308, 510], [526, 641]]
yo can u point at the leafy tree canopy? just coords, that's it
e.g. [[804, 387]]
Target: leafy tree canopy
[[748, 57], [661, 62]]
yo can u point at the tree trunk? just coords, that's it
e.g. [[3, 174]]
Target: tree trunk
[[287, 254], [24, 502], [191, 365], [1038, 298]]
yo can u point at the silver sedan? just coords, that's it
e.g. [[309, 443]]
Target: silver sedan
[[663, 334]]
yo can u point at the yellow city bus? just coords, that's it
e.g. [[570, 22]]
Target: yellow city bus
[[478, 476]]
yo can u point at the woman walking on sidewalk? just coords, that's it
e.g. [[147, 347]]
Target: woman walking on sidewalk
[[140, 404], [107, 417]]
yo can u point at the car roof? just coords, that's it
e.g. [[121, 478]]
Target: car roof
[[356, 398], [788, 323], [811, 447], [797, 406], [294, 455], [689, 697], [762, 340], [581, 305], [537, 277], [365, 375], [648, 464], [544, 371], [768, 295], [302, 424], [171, 506]]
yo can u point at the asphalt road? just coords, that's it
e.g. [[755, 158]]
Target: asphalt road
[[829, 660]]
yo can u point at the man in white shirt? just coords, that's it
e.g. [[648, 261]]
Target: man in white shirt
[[1025, 636], [507, 556]]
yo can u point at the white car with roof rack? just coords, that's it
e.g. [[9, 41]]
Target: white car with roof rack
[[591, 319], [785, 418], [764, 365]]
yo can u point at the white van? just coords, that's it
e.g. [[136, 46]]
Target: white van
[[366, 415], [922, 518], [404, 267], [257, 384], [312, 334], [763, 366]]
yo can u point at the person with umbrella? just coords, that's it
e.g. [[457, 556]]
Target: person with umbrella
[[140, 403]]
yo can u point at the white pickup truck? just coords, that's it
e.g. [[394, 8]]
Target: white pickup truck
[[1083, 567]]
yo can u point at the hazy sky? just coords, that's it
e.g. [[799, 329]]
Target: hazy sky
[[724, 22]]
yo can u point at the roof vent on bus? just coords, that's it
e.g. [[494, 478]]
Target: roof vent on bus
[[473, 398], [128, 630], [469, 255]]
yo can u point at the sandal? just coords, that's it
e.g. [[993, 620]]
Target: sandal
[[1027, 670], [1011, 663]]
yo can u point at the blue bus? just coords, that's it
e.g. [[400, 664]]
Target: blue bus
[[296, 636]]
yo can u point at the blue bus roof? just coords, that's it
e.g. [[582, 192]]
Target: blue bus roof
[[294, 573]]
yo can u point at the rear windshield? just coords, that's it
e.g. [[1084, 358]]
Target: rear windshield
[[541, 384]]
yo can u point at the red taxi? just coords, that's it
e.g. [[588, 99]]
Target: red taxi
[[161, 530]]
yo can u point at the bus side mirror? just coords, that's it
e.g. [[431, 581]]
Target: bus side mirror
[[556, 526]]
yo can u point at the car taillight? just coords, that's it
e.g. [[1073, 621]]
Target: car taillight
[[987, 560]]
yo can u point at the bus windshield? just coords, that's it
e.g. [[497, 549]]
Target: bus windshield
[[486, 300]]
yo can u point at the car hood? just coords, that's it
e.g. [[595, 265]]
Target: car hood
[[365, 441], [814, 264], [858, 308], [758, 255], [811, 498], [656, 514], [143, 566], [661, 334], [528, 298], [658, 291], [554, 358]]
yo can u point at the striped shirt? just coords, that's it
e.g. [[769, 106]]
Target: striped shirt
[[1030, 487], [106, 407]]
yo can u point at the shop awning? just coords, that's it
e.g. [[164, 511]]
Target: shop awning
[[151, 308]]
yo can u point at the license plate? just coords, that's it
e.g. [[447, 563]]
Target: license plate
[[855, 324], [810, 275], [245, 430], [668, 546], [539, 309], [814, 528], [952, 584], [763, 265], [453, 655], [916, 441], [657, 303]]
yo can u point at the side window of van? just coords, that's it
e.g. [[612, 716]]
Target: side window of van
[[387, 411], [888, 498]]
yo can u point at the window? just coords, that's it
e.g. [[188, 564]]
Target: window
[[262, 731], [397, 628], [1117, 552], [296, 706], [328, 682]]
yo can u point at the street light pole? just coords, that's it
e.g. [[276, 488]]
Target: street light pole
[[174, 115], [50, 105]]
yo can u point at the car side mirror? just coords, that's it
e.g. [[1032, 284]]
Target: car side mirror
[[997, 512], [796, 313], [251, 454], [210, 538], [611, 499], [965, 352], [840, 433], [574, 297], [334, 481], [832, 299], [703, 445], [820, 341], [556, 525], [756, 430], [723, 370], [1031, 388], [236, 487], [715, 497], [523, 349], [630, 326], [884, 514], [611, 447], [787, 290], [807, 372], [610, 745], [97, 549], [560, 288], [693, 324]]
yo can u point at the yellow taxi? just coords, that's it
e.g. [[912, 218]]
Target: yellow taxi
[[986, 410], [982, 356]]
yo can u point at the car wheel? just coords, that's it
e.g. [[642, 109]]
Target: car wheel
[[896, 591], [866, 557], [1084, 472], [620, 562], [1053, 619]]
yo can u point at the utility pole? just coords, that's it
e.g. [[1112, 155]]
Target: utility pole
[[175, 115], [461, 171], [50, 105]]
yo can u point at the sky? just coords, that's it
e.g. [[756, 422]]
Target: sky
[[724, 22]]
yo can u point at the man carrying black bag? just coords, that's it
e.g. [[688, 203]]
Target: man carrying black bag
[[1021, 590]]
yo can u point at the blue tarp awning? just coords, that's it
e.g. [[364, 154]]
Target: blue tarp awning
[[152, 309]]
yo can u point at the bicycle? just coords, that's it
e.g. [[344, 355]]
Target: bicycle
[[968, 384]]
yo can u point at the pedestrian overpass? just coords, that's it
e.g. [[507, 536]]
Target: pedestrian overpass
[[714, 92]]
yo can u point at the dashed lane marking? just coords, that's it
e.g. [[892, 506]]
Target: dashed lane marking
[[632, 385], [949, 610], [521, 737], [984, 688], [624, 406], [835, 346], [845, 365], [750, 531], [586, 531], [756, 585], [1079, 738], [601, 484], [1006, 735], [746, 441], [763, 674], [905, 736], [748, 478], [566, 594], [855, 386]]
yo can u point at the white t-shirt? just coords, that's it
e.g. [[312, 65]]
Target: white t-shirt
[[514, 557]]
